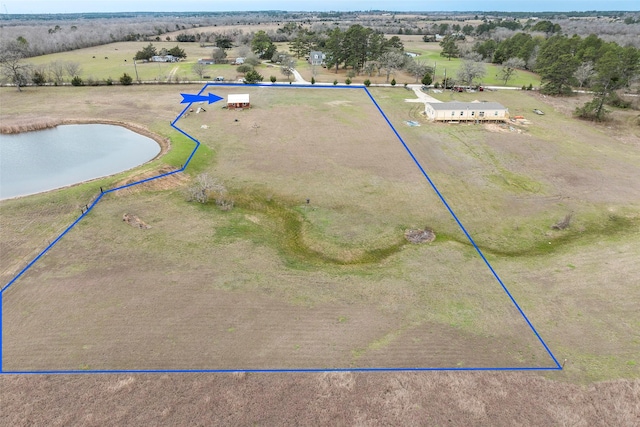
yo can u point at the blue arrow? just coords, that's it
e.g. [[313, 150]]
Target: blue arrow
[[188, 98]]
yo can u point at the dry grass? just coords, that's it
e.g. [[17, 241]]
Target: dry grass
[[356, 180], [432, 398]]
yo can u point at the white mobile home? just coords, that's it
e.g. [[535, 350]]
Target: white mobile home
[[475, 111]]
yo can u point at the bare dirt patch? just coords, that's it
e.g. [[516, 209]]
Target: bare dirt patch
[[420, 236], [135, 221]]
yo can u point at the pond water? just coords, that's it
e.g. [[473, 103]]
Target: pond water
[[34, 162]]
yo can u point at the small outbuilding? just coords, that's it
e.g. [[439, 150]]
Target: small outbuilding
[[238, 101], [475, 111]]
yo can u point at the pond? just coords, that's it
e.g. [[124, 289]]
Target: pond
[[34, 162]]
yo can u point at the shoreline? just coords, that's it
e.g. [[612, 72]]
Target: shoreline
[[164, 143]]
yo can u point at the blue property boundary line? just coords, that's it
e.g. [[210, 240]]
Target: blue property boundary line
[[302, 370]]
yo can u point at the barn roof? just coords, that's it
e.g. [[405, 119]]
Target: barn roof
[[238, 98], [457, 105]]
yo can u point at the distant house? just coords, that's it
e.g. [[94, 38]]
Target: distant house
[[316, 58], [411, 54], [238, 101], [466, 111], [206, 61], [164, 58], [238, 61]]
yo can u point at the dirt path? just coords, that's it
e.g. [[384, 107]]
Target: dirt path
[[172, 73]]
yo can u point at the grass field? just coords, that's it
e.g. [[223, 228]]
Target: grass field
[[338, 268], [113, 60], [323, 271]]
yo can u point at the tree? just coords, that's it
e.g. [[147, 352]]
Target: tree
[[223, 42], [392, 61], [510, 67], [300, 45], [449, 48], [72, 68], [556, 64], [177, 52], [126, 79], [12, 65], [56, 68], [486, 48], [146, 53], [262, 45], [583, 73], [252, 60], [470, 71], [287, 67], [77, 81], [426, 80], [417, 69], [199, 69], [610, 76], [252, 77], [334, 48], [218, 54]]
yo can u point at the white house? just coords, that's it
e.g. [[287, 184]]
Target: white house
[[316, 58], [466, 111], [164, 58], [238, 101]]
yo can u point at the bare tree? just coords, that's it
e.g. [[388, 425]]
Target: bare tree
[[72, 68], [370, 67], [218, 54], [56, 68], [418, 69], [470, 71], [392, 61], [287, 67], [204, 188], [12, 65], [510, 67], [584, 72], [198, 69]]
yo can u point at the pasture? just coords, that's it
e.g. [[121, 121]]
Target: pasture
[[332, 283]]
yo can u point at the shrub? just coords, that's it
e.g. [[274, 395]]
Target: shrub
[[126, 79], [367, 83], [313, 80], [77, 81], [530, 87], [348, 81], [273, 79], [524, 87], [109, 81], [393, 82], [615, 101], [38, 78], [426, 80], [335, 82], [244, 68]]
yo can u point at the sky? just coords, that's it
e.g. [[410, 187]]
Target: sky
[[76, 6]]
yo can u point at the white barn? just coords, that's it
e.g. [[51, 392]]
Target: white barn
[[457, 111]]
